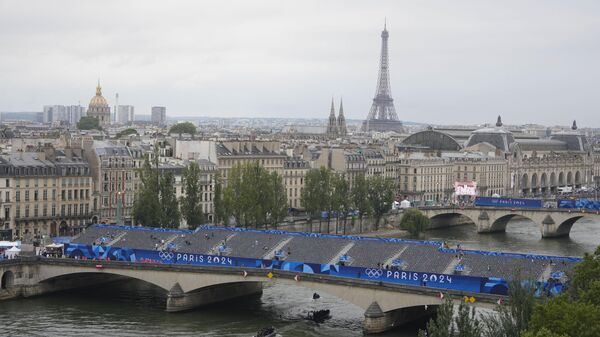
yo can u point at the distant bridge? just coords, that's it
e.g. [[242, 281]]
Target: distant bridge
[[553, 222], [386, 305]]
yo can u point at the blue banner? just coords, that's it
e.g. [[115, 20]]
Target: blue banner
[[430, 280], [593, 205], [508, 202]]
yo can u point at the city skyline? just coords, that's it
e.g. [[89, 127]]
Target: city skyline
[[469, 61]]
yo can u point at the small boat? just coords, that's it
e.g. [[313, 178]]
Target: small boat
[[267, 332], [319, 316]]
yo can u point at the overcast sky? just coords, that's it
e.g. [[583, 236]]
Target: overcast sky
[[451, 62]]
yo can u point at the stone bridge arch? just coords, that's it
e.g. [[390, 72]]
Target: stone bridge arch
[[7, 279], [551, 222], [385, 307], [450, 218], [499, 224]]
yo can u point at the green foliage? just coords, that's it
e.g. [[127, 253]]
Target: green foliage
[[442, 325], [316, 195], [126, 132], [185, 127], [171, 217], [584, 274], [510, 320], [218, 203], [381, 196], [561, 315], [340, 201], [279, 202], [254, 197], [359, 196], [146, 207], [88, 123], [576, 313], [414, 221], [191, 208], [464, 324], [542, 333]]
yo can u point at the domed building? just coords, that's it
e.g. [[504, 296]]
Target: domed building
[[99, 108]]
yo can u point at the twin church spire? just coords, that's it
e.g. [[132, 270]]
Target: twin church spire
[[336, 126]]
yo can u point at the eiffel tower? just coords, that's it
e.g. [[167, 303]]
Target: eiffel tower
[[382, 116]]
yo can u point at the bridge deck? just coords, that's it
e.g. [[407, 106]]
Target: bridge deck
[[418, 256]]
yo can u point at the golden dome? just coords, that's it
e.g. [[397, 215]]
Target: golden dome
[[98, 100]]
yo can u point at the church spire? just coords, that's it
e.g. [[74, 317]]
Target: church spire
[[332, 130], [574, 126], [499, 121], [341, 121], [332, 112]]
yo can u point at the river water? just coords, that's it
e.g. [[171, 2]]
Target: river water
[[135, 309]]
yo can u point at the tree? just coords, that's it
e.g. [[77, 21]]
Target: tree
[[542, 333], [510, 320], [254, 197], [380, 196], [414, 221], [465, 324], [561, 315], [146, 207], [171, 217], [339, 198], [584, 274], [316, 195], [218, 203], [576, 312], [185, 127], [279, 203], [126, 132], [88, 123], [442, 325], [190, 202], [359, 195]]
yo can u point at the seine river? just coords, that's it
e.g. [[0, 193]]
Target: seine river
[[134, 309]]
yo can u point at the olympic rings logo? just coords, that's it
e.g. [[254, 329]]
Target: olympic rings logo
[[374, 273], [164, 255]]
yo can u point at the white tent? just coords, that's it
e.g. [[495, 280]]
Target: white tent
[[9, 244], [405, 204], [12, 253]]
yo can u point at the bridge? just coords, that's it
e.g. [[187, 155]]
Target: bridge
[[193, 272], [553, 222]]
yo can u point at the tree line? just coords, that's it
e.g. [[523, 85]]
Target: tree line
[[156, 203], [254, 197], [327, 191]]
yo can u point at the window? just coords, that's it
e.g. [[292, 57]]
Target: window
[[62, 210], [26, 195], [53, 210], [45, 195]]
